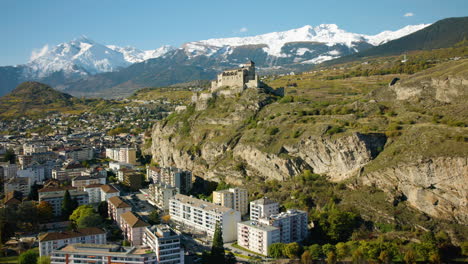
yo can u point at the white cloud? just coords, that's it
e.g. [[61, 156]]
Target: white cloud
[[36, 53], [243, 29], [409, 14]]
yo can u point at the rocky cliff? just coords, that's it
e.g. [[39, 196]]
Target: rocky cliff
[[254, 134]]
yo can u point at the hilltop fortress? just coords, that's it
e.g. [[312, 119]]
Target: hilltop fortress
[[244, 77], [233, 82]]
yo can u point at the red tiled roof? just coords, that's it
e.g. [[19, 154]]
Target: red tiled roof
[[118, 203], [132, 220]]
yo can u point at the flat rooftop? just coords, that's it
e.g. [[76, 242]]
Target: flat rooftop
[[257, 225], [207, 206], [105, 249]]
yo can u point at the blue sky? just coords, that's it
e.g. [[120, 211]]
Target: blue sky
[[28, 25]]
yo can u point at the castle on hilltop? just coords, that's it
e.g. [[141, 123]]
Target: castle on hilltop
[[243, 78]]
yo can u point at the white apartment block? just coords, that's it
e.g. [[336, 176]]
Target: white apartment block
[[35, 173], [100, 192], [116, 166], [55, 199], [53, 240], [30, 148], [159, 195], [257, 237], [263, 208], [165, 242], [22, 185], [125, 155], [80, 154], [108, 254], [203, 216], [235, 198], [293, 225]]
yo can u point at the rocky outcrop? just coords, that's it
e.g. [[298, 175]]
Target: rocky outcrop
[[338, 158], [435, 186]]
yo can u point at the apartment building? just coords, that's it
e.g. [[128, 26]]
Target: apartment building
[[55, 199], [181, 179], [68, 172], [116, 207], [262, 208], [22, 185], [53, 240], [235, 198], [165, 242], [79, 154], [159, 195], [203, 216], [108, 254], [132, 228], [125, 155], [257, 237], [80, 182], [293, 225]]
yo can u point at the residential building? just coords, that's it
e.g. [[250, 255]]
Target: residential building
[[116, 207], [9, 170], [262, 208], [68, 172], [55, 199], [79, 154], [100, 192], [181, 179], [159, 195], [125, 155], [293, 225], [80, 182], [257, 237], [116, 166], [203, 216], [131, 178], [35, 173], [165, 242], [29, 148], [132, 228], [153, 174], [22, 185], [235, 198], [109, 254], [53, 240]]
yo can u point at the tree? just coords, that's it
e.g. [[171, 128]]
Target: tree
[[43, 260], [331, 257], [292, 250], [103, 209], [316, 251], [306, 258], [275, 250], [67, 205], [217, 249], [85, 216], [165, 218], [45, 211], [410, 257], [29, 257], [327, 248], [358, 257], [10, 156], [153, 218], [230, 258], [34, 194], [342, 250]]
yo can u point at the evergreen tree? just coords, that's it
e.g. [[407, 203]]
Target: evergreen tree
[[102, 209], [29, 257], [217, 249], [68, 205]]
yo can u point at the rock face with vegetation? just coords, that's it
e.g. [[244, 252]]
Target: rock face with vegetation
[[408, 139]]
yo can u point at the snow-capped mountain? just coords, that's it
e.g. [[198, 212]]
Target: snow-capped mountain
[[329, 34], [83, 56], [75, 66]]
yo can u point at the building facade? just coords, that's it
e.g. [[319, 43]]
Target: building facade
[[125, 155], [53, 240], [244, 77], [165, 242], [293, 225], [132, 228], [257, 237], [104, 254], [55, 199], [116, 207], [235, 198], [204, 216], [159, 195], [262, 208]]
